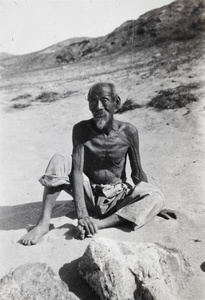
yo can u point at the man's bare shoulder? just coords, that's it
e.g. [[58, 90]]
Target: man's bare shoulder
[[126, 128], [83, 130], [82, 124]]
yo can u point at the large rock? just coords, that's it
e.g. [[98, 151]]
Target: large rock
[[122, 271], [34, 281]]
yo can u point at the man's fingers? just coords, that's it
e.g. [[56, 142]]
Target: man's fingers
[[89, 225], [92, 227], [87, 229], [95, 227], [80, 232]]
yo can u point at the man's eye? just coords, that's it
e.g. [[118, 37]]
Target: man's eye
[[105, 100]]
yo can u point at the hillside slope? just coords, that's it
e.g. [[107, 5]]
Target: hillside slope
[[4, 55], [181, 20]]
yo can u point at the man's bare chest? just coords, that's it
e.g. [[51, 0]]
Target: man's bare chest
[[102, 147]]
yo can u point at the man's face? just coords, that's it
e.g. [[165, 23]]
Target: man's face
[[102, 106]]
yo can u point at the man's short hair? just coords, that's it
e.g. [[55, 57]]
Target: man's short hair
[[98, 86]]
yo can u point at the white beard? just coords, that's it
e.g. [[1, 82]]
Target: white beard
[[101, 122]]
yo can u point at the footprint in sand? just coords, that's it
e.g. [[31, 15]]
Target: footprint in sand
[[55, 234]]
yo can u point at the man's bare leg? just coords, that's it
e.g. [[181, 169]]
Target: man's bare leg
[[111, 221], [49, 197]]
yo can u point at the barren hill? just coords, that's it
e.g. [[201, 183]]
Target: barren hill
[[4, 55], [180, 21]]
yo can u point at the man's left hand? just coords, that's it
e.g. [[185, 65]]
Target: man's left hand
[[88, 225]]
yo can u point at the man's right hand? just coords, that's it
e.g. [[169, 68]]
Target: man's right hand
[[89, 225]]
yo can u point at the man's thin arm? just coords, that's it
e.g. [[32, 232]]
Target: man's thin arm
[[84, 221], [77, 181], [134, 155], [77, 177]]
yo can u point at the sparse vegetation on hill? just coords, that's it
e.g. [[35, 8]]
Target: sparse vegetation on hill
[[20, 105], [24, 96], [129, 104], [174, 98], [47, 97], [181, 20], [26, 100], [52, 96]]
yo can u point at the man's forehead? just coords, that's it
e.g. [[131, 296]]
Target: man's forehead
[[101, 89]]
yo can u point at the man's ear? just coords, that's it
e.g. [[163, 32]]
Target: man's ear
[[117, 103]]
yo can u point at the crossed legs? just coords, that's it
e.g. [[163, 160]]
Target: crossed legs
[[42, 227]]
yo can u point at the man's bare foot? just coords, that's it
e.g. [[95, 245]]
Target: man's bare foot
[[33, 236]]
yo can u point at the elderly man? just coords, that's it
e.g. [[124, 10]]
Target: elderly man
[[97, 178]]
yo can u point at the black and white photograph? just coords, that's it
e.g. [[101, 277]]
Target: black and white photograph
[[102, 149]]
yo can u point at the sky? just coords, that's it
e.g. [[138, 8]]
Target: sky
[[31, 25]]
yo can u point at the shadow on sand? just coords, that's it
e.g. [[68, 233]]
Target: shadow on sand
[[23, 215], [69, 274]]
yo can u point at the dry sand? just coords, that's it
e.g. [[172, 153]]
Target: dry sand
[[172, 149]]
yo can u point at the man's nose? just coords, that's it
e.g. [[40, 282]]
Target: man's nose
[[100, 105]]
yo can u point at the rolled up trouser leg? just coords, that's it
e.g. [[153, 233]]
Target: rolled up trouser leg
[[141, 205], [58, 171]]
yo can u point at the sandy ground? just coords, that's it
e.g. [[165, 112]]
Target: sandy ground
[[172, 149]]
